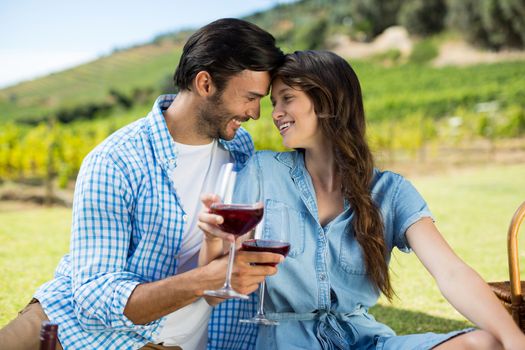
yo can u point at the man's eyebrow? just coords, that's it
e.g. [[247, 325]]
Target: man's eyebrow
[[255, 94]]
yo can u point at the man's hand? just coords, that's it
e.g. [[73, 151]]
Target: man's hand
[[247, 270], [246, 274]]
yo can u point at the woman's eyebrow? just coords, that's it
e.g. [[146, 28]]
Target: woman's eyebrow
[[283, 90]]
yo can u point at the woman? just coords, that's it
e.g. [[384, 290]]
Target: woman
[[347, 217]]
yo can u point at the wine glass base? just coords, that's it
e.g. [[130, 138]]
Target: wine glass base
[[225, 293], [260, 320]]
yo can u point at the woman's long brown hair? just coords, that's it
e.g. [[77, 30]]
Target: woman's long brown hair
[[334, 89]]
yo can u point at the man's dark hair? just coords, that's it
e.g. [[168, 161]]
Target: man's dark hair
[[224, 48]]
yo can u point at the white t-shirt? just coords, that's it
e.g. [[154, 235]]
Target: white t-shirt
[[196, 172]]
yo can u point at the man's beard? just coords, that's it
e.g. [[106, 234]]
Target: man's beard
[[213, 118]]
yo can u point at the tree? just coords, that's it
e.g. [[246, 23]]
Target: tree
[[495, 24], [372, 17], [423, 17]]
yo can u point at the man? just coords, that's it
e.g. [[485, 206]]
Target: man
[[131, 277]]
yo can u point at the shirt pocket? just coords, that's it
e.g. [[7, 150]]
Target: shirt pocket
[[351, 258], [273, 225]]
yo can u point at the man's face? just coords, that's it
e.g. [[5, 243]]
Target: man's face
[[222, 113]]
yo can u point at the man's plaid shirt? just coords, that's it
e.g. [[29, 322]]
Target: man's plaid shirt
[[127, 229]]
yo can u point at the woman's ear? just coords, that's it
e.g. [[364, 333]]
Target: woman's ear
[[203, 84]]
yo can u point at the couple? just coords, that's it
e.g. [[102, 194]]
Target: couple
[[132, 278]]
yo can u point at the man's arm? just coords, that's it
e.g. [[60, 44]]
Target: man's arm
[[100, 243], [109, 296], [150, 301]]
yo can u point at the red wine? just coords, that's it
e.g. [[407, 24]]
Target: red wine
[[48, 335], [238, 218], [265, 245]]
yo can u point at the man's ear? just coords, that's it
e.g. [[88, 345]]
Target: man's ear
[[203, 84]]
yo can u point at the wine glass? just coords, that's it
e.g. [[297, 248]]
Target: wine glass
[[279, 244], [240, 217]]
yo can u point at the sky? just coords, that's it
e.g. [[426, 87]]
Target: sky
[[38, 37]]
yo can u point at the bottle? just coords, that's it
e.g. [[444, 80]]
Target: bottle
[[48, 335]]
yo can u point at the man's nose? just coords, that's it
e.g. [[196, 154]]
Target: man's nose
[[255, 112]]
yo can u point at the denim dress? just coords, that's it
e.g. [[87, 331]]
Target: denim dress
[[321, 293]]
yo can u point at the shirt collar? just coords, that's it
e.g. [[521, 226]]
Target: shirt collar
[[163, 145], [294, 160]]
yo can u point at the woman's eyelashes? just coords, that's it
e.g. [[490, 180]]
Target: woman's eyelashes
[[285, 99]]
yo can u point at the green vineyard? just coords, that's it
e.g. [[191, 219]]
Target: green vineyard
[[408, 107]]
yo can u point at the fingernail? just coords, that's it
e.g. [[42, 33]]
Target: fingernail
[[281, 259]]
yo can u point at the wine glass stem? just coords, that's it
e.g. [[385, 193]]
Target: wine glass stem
[[261, 298], [227, 283]]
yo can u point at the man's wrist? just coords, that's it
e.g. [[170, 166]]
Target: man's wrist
[[210, 276]]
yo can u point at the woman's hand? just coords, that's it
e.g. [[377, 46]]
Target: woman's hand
[[514, 342], [213, 244], [209, 223]]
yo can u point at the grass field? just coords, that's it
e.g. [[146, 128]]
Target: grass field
[[472, 208]]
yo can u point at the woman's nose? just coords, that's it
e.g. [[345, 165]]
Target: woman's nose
[[277, 112]]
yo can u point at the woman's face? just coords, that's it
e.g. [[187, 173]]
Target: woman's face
[[294, 116]]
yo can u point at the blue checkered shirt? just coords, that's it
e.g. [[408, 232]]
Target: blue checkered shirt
[[127, 229]]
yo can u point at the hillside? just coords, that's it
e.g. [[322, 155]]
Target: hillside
[[142, 71], [137, 74], [128, 72], [418, 114]]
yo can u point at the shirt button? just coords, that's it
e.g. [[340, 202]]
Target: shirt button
[[185, 217], [322, 277]]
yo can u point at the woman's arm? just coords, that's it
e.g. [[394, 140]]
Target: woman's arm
[[461, 285]]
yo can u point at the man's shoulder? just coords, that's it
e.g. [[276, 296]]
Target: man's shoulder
[[242, 142], [124, 142], [125, 148]]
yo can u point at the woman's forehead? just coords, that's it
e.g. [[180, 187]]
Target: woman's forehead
[[279, 87]]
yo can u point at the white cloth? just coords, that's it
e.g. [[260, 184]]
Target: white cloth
[[196, 172], [187, 327]]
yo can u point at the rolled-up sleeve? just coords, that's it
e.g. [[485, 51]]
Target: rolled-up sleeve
[[101, 236], [408, 208]]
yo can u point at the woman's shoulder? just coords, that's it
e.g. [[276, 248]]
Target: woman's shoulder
[[279, 157], [386, 176], [266, 153], [386, 183]]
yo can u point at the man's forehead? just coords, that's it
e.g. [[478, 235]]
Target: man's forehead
[[249, 83]]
